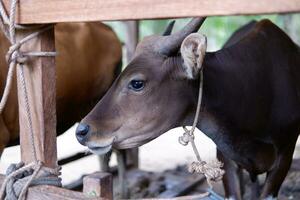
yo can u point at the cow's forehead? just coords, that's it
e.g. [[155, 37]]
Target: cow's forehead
[[148, 44], [147, 59], [149, 67]]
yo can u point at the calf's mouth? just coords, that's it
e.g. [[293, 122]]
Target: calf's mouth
[[102, 147]]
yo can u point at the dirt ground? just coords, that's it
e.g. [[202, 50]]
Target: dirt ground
[[158, 160], [179, 181], [154, 183]]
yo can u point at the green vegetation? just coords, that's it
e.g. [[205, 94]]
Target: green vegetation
[[217, 29]]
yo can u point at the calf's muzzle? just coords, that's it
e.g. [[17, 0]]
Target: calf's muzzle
[[82, 133]]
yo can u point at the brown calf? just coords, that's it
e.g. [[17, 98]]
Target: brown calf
[[251, 98]]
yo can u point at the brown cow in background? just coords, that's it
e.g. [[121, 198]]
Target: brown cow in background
[[88, 61]]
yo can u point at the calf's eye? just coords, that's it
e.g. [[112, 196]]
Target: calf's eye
[[136, 85]]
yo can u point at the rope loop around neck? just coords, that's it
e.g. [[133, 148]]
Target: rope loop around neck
[[212, 171]]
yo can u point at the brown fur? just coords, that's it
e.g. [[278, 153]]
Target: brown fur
[[251, 101], [88, 56]]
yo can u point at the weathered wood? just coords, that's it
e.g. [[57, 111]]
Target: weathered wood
[[98, 185], [74, 157], [46, 192], [40, 79], [131, 40], [184, 187], [50, 11]]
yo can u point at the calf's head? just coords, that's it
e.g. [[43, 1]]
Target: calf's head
[[151, 95]]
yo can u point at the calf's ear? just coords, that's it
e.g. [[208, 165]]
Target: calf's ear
[[192, 51]]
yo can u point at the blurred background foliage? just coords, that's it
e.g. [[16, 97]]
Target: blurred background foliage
[[217, 29]]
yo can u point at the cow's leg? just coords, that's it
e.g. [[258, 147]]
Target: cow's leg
[[231, 178], [121, 158], [240, 172], [104, 162], [277, 174], [254, 188]]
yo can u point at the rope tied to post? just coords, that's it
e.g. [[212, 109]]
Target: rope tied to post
[[14, 56], [19, 177], [211, 170]]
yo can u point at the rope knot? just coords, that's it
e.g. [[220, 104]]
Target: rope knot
[[212, 170], [20, 176], [186, 138], [15, 55]]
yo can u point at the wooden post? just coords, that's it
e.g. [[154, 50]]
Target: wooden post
[[132, 38], [98, 184], [131, 41], [40, 78]]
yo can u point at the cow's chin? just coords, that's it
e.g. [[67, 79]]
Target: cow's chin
[[100, 150], [134, 141], [100, 147]]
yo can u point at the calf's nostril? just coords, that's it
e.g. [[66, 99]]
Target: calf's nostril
[[82, 130]]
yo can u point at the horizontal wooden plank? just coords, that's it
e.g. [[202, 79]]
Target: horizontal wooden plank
[[46, 192], [51, 11]]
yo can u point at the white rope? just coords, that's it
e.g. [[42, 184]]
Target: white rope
[[212, 171], [22, 176], [14, 56], [27, 107]]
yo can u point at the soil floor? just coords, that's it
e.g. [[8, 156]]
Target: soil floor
[[158, 161], [179, 181]]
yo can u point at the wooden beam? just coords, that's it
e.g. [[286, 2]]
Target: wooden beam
[[98, 184], [131, 41], [74, 157], [50, 11], [131, 38], [40, 81], [46, 192]]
